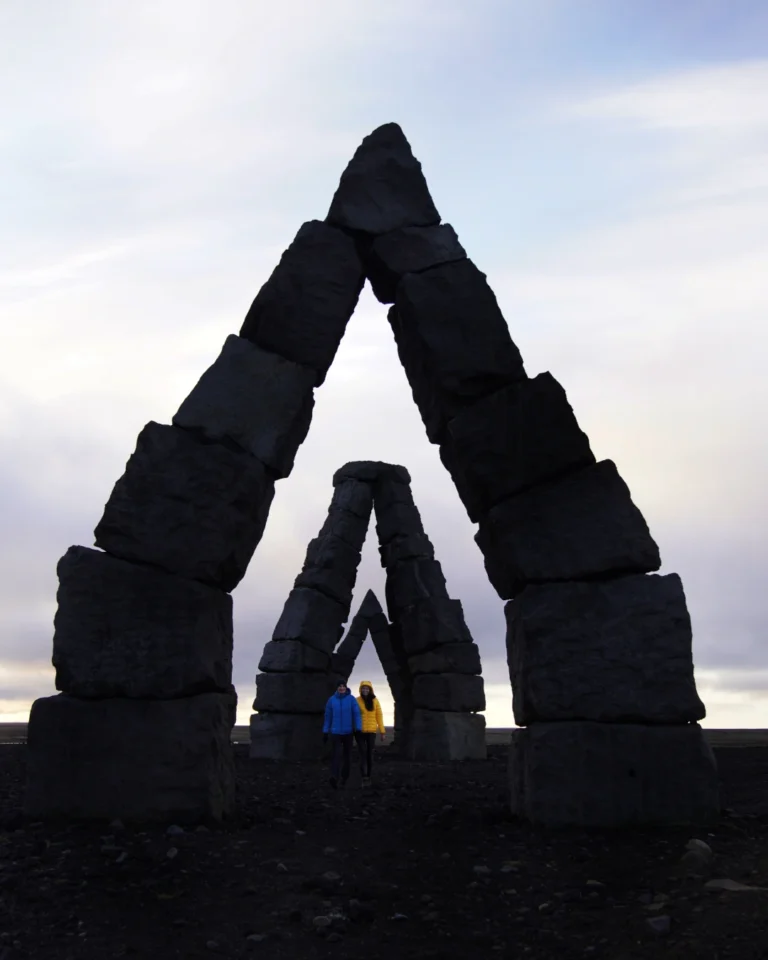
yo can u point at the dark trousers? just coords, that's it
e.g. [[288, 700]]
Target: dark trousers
[[365, 744], [340, 755]]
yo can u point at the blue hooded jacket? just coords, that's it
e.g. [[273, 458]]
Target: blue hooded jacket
[[342, 714]]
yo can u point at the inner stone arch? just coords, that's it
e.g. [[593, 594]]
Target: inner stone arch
[[428, 655]]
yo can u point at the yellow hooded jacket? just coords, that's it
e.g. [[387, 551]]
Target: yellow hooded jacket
[[373, 720]]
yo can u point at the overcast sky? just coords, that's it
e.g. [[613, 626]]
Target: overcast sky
[[606, 164]]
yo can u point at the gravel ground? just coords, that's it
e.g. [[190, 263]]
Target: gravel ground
[[427, 864]]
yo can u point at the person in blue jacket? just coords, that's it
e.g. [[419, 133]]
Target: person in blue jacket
[[342, 722]]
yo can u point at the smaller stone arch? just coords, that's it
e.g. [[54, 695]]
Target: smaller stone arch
[[424, 644]]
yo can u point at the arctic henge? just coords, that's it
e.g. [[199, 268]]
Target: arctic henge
[[599, 646]]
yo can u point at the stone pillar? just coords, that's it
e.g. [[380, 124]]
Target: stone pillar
[[143, 633], [437, 661], [548, 514], [295, 679]]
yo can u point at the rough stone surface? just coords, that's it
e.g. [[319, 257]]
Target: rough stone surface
[[383, 187], [448, 691], [342, 666], [292, 692], [133, 760], [414, 546], [125, 630], [410, 250], [388, 492], [370, 471], [257, 399], [613, 651], [578, 528], [331, 568], [513, 439], [286, 736], [347, 526], [453, 342], [450, 658], [612, 774], [192, 508], [370, 607], [292, 656], [311, 617], [399, 520], [440, 736], [302, 311], [432, 623], [411, 581]]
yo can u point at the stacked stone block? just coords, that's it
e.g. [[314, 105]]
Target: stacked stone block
[[143, 632], [561, 538], [438, 716]]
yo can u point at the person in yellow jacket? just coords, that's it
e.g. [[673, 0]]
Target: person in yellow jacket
[[372, 721]]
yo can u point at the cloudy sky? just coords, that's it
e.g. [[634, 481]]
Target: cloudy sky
[[606, 164]]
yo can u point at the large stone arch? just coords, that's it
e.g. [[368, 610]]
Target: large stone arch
[[142, 726], [431, 662]]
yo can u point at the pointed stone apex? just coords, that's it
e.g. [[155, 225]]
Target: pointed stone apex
[[383, 187], [370, 606]]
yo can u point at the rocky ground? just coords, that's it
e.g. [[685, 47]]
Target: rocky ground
[[426, 865]]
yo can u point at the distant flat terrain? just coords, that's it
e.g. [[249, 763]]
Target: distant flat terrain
[[17, 733]]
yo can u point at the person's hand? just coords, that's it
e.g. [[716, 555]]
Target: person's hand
[[383, 737]]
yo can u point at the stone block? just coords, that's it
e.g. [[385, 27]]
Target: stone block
[[133, 760], [589, 774], [302, 311], [513, 439], [438, 736], [312, 618], [411, 581], [383, 187], [409, 250], [254, 398], [370, 607], [292, 656], [128, 630], [450, 658], [292, 692], [342, 666], [431, 624], [331, 568], [347, 526], [400, 520], [286, 736], [192, 508], [354, 496], [414, 546], [616, 651], [448, 691], [453, 342], [372, 471], [581, 527]]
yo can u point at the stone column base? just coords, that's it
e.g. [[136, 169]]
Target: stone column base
[[440, 736], [286, 736]]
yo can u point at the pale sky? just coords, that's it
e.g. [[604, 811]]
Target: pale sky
[[606, 164]]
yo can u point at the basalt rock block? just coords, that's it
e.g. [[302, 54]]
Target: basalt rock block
[[453, 342], [383, 187], [412, 581], [370, 607], [432, 623], [450, 658], [302, 311], [292, 656], [342, 666], [312, 618], [136, 760], [398, 521], [254, 398], [331, 568], [286, 736], [292, 692], [439, 736], [616, 651], [449, 691], [409, 250], [589, 774], [192, 508], [128, 630], [513, 439], [347, 526], [414, 546], [584, 526], [371, 471]]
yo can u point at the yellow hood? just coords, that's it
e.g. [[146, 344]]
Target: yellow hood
[[366, 683]]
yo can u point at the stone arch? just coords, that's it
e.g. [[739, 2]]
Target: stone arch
[[561, 539], [431, 662]]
